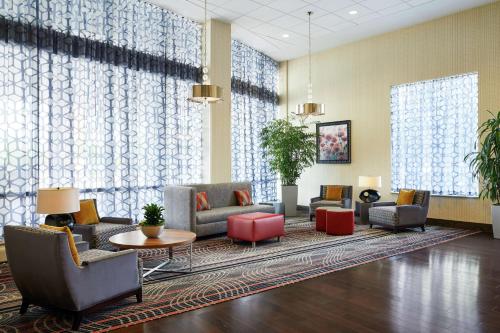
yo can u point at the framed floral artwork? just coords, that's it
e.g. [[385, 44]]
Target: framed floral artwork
[[333, 142]]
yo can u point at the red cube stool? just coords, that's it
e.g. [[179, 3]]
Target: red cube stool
[[321, 218], [339, 222], [254, 227]]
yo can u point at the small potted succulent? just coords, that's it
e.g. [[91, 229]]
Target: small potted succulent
[[152, 225]]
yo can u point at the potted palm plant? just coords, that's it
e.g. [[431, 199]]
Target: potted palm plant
[[152, 225], [291, 149], [486, 164]]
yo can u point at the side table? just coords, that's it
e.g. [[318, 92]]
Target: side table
[[279, 207], [362, 211]]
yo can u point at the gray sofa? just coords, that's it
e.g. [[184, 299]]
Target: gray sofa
[[46, 275], [180, 207], [389, 215]]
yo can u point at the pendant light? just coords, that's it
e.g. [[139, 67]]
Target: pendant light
[[310, 108], [205, 92]]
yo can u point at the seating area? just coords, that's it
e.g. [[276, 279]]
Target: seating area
[[249, 166]]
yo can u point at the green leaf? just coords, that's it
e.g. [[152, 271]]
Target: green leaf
[[291, 149], [485, 163]]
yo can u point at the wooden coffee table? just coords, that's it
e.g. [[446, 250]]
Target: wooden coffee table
[[169, 238]]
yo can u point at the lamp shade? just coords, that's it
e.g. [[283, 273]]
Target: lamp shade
[[370, 181], [59, 200]]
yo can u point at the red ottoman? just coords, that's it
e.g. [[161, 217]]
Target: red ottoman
[[321, 218], [254, 227], [339, 222]]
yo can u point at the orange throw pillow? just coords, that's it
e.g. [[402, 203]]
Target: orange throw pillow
[[243, 197], [71, 240], [405, 197], [333, 193], [202, 201], [87, 214]]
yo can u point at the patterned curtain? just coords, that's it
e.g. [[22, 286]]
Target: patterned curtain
[[93, 95], [254, 98], [433, 127]]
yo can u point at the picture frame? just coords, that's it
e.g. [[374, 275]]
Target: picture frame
[[333, 142]]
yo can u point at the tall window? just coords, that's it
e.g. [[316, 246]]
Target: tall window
[[93, 95], [254, 104], [433, 126]]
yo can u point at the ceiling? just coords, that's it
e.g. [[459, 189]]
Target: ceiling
[[279, 27]]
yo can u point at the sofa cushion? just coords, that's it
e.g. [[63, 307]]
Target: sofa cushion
[[383, 214], [202, 201], [222, 213], [222, 195]]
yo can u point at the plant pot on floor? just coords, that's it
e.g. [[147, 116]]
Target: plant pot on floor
[[495, 220], [151, 231], [289, 198]]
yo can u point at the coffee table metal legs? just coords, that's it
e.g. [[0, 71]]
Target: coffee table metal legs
[[170, 257]]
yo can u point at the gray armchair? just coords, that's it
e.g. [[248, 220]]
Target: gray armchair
[[46, 274], [320, 201], [98, 234], [387, 214]]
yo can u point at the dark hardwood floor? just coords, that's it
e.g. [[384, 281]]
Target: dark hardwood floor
[[452, 287]]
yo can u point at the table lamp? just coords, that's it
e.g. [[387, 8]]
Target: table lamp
[[58, 203], [369, 195]]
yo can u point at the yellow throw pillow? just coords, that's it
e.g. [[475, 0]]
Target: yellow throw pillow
[[87, 213], [405, 197], [333, 193], [71, 240]]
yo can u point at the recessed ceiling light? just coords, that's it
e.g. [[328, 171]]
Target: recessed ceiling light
[[285, 35], [353, 12]]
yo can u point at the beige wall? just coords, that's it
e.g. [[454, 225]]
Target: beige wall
[[354, 83], [218, 119]]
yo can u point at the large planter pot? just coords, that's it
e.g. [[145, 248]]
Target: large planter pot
[[495, 220], [151, 231], [289, 198]]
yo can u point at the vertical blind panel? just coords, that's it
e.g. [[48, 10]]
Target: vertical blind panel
[[433, 127], [249, 115], [117, 133]]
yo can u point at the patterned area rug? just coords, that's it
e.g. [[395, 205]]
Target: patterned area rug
[[223, 271]]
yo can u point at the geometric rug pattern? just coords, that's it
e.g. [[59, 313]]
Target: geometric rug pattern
[[223, 271]]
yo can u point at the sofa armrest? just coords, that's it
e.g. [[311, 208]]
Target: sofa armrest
[[180, 208], [383, 203], [409, 214], [106, 276], [315, 199], [87, 231], [117, 220]]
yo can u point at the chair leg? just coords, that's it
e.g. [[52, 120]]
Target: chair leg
[[77, 319], [310, 217], [138, 295], [24, 306], [253, 244], [279, 239], [395, 230], [371, 226], [423, 228]]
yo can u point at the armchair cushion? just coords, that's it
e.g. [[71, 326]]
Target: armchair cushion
[[71, 240], [87, 214], [333, 192], [326, 203], [405, 197]]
